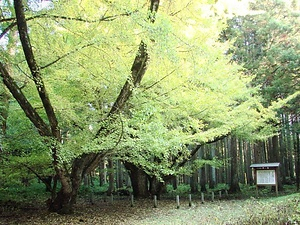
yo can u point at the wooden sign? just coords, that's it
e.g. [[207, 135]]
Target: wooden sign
[[266, 174], [266, 177]]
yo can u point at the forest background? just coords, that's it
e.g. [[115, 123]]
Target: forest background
[[150, 92]]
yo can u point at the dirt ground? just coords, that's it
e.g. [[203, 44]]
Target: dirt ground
[[142, 213]]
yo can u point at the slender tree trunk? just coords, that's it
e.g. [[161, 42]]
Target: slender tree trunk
[[222, 156], [234, 181], [282, 149], [227, 145], [202, 172], [111, 177], [259, 156], [194, 178], [247, 160], [175, 183], [3, 109], [274, 157], [290, 152], [119, 175], [102, 172], [241, 162], [212, 174], [297, 147]]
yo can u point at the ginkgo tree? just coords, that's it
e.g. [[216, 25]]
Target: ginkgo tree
[[63, 71], [139, 80], [171, 119]]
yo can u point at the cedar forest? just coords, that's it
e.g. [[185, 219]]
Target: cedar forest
[[147, 93]]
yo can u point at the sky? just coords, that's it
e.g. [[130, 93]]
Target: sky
[[233, 7]]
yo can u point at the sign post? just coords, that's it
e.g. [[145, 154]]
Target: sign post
[[266, 174]]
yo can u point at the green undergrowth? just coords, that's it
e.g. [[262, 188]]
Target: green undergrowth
[[35, 192]]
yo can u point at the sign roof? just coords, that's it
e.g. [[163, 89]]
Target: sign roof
[[261, 165]]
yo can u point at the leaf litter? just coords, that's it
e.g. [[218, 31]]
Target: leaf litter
[[142, 213]]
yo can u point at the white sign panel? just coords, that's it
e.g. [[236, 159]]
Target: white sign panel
[[266, 177]]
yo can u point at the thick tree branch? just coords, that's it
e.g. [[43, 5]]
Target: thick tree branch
[[34, 68], [29, 111], [138, 69], [153, 10], [196, 149]]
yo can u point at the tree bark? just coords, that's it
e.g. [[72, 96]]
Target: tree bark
[[194, 178], [247, 160], [34, 68], [28, 109], [119, 175], [111, 177], [102, 172], [234, 180], [202, 172], [139, 181], [297, 147], [3, 109], [274, 157], [212, 174]]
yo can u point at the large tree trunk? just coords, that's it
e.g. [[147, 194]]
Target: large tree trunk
[[65, 199], [139, 180], [63, 203]]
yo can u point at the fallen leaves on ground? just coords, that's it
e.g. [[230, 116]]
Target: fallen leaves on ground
[[142, 213]]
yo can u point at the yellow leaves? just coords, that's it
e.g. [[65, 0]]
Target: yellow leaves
[[275, 105]]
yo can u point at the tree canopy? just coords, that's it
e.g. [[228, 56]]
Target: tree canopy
[[77, 72], [266, 43]]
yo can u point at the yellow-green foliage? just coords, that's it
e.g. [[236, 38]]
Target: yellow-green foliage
[[190, 93]]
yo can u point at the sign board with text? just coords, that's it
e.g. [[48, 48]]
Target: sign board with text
[[266, 174], [266, 177]]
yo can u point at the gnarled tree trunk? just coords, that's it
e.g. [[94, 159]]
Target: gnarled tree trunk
[[139, 180]]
